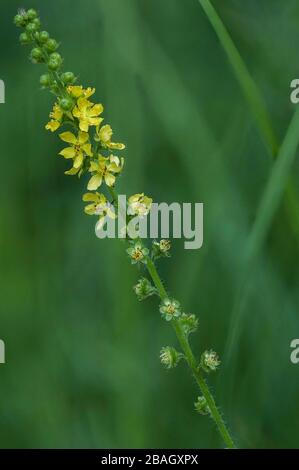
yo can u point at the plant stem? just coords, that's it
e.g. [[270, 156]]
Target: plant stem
[[183, 340]]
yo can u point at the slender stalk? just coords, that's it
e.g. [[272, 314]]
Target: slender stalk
[[243, 76], [185, 345], [183, 340]]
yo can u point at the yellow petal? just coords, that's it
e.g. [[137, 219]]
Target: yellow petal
[[76, 112], [57, 112], [90, 209], [83, 103], [105, 133], [72, 171], [109, 179], [76, 91], [78, 160], [90, 197], [94, 166], [116, 146], [87, 150], [84, 126], [89, 92], [94, 121], [68, 137], [83, 137], [68, 152], [94, 182], [52, 125], [96, 110]]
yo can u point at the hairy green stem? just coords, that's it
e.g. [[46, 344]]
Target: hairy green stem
[[183, 340], [184, 343]]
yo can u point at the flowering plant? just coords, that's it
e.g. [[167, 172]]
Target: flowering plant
[[91, 151]]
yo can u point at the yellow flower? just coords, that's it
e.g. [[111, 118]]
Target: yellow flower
[[78, 91], [56, 116], [99, 206], [78, 149], [87, 113], [104, 169], [104, 135], [139, 204]]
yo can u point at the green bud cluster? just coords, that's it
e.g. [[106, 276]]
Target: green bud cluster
[[45, 51], [201, 406], [170, 357], [189, 323], [161, 249], [144, 289]]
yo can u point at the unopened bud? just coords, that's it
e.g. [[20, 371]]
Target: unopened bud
[[66, 104], [201, 406], [24, 38], [31, 27], [43, 37], [36, 55], [144, 289], [170, 357], [31, 14], [68, 78], [189, 323], [51, 45], [45, 80]]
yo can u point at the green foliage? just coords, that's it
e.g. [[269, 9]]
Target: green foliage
[[66, 296]]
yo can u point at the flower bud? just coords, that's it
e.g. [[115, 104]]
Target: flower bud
[[170, 308], [161, 249], [19, 20], [68, 78], [189, 323], [51, 45], [31, 27], [66, 104], [53, 65], [31, 14], [170, 357], [36, 55], [55, 88], [24, 38], [201, 406], [56, 56], [37, 23], [45, 80], [209, 361], [144, 289], [43, 37], [55, 61]]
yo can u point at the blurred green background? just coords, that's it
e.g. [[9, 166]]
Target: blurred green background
[[82, 354]]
